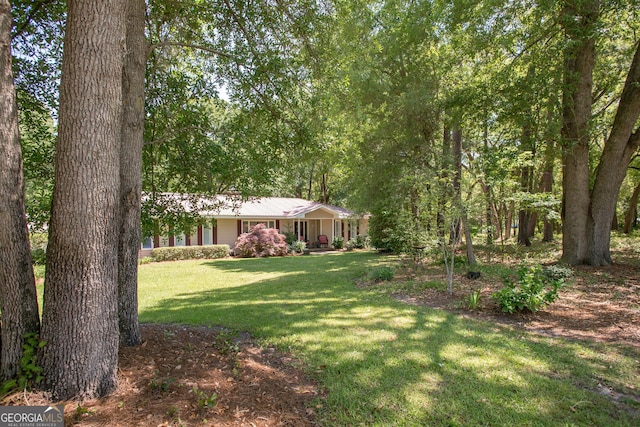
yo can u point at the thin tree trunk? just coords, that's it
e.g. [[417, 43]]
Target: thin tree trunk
[[80, 314], [18, 300], [487, 188], [310, 188], [445, 193], [546, 186], [509, 222], [456, 155], [632, 211], [526, 186], [132, 142], [471, 257], [324, 196]]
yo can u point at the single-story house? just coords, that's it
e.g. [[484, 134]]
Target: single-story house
[[231, 218]]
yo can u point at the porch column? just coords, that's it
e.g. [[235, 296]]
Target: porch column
[[333, 228]]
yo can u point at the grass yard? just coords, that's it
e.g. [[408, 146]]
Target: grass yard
[[383, 362]]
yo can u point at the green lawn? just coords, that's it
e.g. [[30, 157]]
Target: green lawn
[[384, 363]]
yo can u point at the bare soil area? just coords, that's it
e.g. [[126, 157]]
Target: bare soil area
[[196, 376]]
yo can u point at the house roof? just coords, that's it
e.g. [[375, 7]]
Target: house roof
[[231, 206], [274, 207]]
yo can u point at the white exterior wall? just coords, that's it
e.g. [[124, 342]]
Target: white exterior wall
[[364, 227], [286, 226], [227, 232]]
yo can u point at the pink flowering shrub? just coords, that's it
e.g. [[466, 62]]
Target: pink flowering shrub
[[261, 242]]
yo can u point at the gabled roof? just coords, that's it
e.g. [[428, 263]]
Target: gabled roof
[[277, 207], [223, 206]]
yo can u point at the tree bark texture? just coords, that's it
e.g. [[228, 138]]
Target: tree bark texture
[[80, 314], [546, 180], [132, 141], [632, 211], [445, 166], [526, 186], [456, 155], [621, 144], [587, 222], [18, 300], [579, 59]]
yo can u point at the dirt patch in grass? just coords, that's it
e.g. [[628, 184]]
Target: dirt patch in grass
[[196, 376], [599, 304]]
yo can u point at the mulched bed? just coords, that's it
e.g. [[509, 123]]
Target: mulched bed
[[197, 376], [599, 304]]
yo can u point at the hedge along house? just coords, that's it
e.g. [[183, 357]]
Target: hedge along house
[[230, 218]]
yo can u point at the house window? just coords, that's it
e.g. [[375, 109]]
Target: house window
[[147, 243], [246, 225], [207, 238]]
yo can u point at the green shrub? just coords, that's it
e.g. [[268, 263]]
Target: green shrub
[[38, 240], [290, 237], [38, 256], [533, 291], [360, 241], [298, 246], [338, 242], [176, 253], [145, 260], [472, 301], [38, 243], [557, 272]]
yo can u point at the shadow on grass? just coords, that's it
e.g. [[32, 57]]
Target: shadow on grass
[[384, 363]]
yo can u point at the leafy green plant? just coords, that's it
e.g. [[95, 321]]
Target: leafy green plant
[[290, 237], [533, 291], [29, 372], [298, 246], [360, 241], [472, 301], [338, 242], [557, 272], [38, 256], [160, 384], [225, 344], [203, 399]]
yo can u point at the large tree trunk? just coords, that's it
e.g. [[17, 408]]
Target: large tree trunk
[[80, 315], [132, 141], [587, 222], [578, 81], [612, 169], [18, 300]]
